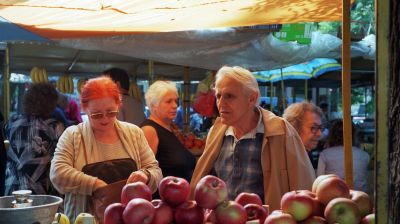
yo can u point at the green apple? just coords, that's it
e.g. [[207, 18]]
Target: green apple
[[342, 210]]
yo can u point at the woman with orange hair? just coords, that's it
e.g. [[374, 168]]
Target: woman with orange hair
[[100, 151]]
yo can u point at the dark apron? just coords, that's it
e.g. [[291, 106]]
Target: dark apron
[[115, 173]]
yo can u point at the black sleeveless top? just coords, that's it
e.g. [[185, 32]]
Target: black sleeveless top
[[173, 158]]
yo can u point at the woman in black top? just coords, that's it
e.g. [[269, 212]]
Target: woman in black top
[[174, 159]]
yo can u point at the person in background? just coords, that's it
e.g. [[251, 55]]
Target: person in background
[[59, 112], [33, 136], [306, 118], [72, 112], [173, 157], [331, 159], [250, 148], [102, 140], [132, 110]]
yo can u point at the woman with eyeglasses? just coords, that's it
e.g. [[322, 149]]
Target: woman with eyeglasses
[[94, 154], [174, 158], [307, 119]]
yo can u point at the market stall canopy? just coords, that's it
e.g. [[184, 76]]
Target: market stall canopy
[[305, 70], [66, 18], [199, 50]]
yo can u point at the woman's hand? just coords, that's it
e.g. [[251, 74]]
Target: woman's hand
[[98, 184], [138, 176]]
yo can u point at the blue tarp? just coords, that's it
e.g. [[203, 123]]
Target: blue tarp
[[11, 32]]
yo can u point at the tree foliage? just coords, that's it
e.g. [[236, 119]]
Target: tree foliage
[[362, 19]]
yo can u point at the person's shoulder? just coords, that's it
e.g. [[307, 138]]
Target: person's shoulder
[[128, 126], [275, 125], [75, 128], [361, 152]]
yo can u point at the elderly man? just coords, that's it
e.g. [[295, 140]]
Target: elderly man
[[250, 148], [306, 118]]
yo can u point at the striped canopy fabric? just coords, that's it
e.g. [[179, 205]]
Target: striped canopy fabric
[[306, 70], [83, 18]]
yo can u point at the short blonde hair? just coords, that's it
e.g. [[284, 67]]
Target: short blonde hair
[[294, 113], [156, 92], [241, 75]]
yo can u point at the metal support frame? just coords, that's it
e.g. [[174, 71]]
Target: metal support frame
[[382, 75]]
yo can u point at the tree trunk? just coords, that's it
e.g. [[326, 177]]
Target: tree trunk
[[394, 113]]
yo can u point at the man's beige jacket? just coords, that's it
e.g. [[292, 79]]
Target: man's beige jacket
[[284, 161]]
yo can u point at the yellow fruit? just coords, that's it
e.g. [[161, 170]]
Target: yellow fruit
[[44, 77], [70, 84], [81, 83], [134, 91], [62, 220], [85, 218], [33, 74]]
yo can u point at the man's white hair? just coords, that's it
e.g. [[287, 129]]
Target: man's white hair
[[241, 75]]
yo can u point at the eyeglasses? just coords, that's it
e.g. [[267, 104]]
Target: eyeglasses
[[315, 128], [109, 114]]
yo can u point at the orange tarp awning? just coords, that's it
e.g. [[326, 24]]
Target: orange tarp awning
[[66, 18]]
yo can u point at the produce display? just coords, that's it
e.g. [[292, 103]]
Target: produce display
[[39, 75], [189, 140], [330, 201], [210, 205], [65, 84], [134, 91], [81, 83]]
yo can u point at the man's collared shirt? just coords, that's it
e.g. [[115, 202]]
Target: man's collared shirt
[[239, 161]]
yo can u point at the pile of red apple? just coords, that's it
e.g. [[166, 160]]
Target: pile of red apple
[[330, 201], [210, 205]]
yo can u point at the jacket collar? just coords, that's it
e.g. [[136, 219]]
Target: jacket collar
[[272, 124]]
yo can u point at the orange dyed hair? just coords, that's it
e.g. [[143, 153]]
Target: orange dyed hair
[[97, 88]]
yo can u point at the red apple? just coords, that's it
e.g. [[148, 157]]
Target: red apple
[[230, 212], [174, 190], [363, 202], [319, 179], [163, 212], [138, 211], [314, 220], [210, 191], [113, 213], [256, 212], [342, 210], [266, 208], [330, 188], [299, 205], [368, 219], [135, 190], [245, 198], [278, 217], [318, 207], [210, 216], [189, 212]]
